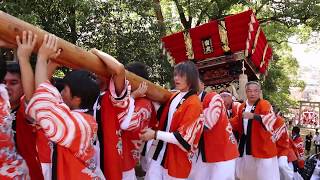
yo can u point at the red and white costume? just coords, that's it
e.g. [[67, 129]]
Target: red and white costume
[[12, 165], [235, 106], [257, 148], [26, 140], [139, 118], [281, 136], [73, 131], [45, 150], [181, 126], [292, 152], [218, 146], [299, 150], [110, 113], [296, 155]]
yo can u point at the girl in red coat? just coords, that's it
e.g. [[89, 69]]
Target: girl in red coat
[[179, 128]]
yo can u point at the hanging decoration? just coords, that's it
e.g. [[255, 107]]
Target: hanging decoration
[[309, 118]]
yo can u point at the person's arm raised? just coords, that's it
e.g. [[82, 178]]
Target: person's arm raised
[[26, 45], [118, 75], [48, 49]]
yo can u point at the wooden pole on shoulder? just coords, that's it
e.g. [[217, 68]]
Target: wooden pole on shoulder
[[73, 56]]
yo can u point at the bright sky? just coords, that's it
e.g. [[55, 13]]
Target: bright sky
[[305, 55], [309, 61]]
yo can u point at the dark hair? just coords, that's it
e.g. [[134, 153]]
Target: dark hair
[[3, 69], [275, 109], [139, 69], [296, 129], [83, 85], [201, 77], [188, 69], [13, 68], [58, 83]]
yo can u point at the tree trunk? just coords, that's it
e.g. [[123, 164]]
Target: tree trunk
[[183, 19], [73, 24], [159, 15]]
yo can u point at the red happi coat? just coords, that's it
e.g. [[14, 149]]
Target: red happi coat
[[219, 143], [186, 125], [280, 134], [12, 165], [292, 155], [44, 147], [73, 132], [142, 116], [299, 150], [113, 112], [26, 136], [259, 140], [235, 108]]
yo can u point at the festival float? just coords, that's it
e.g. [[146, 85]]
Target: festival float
[[227, 51]]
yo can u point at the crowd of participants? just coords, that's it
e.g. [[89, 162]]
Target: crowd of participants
[[91, 127]]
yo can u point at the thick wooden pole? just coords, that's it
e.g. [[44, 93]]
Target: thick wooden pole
[[74, 56]]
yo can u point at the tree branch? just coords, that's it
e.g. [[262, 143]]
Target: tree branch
[[159, 15], [189, 12], [275, 41], [182, 15], [260, 7], [203, 12], [275, 19], [73, 24], [280, 42]]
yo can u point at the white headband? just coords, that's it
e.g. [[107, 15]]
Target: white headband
[[225, 94]]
